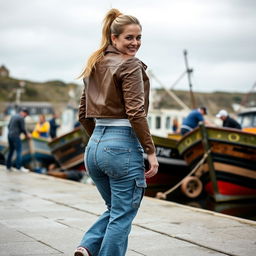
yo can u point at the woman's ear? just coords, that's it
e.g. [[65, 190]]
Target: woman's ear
[[113, 39]]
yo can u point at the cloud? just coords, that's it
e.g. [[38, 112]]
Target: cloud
[[51, 39]]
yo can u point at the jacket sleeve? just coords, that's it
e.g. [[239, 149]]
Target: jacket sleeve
[[133, 95], [87, 123]]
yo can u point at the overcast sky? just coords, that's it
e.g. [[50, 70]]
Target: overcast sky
[[45, 40]]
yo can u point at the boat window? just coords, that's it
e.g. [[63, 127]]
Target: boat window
[[254, 121], [168, 122], [158, 122], [32, 111], [240, 119], [247, 120]]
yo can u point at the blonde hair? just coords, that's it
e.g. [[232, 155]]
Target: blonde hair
[[113, 23]]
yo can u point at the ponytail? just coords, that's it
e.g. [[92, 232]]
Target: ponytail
[[105, 41]]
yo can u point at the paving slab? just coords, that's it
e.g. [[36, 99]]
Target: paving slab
[[43, 215]]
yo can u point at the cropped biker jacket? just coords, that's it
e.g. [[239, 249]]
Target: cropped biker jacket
[[118, 87]]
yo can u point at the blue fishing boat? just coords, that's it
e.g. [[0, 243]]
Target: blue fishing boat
[[3, 149], [35, 153]]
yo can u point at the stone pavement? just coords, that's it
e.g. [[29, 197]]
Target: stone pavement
[[41, 215]]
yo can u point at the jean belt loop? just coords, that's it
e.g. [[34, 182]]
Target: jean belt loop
[[103, 130]]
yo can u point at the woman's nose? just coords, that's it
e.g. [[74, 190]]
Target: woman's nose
[[135, 41]]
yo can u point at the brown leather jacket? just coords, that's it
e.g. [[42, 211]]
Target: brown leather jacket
[[118, 87]]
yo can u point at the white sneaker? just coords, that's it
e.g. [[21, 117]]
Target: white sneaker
[[9, 169], [22, 169], [80, 251]]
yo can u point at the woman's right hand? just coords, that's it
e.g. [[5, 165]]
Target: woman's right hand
[[153, 166]]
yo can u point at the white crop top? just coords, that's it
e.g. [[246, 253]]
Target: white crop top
[[112, 122]]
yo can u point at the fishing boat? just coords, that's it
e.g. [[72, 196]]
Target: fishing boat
[[35, 153], [3, 149], [172, 167], [230, 170], [68, 149]]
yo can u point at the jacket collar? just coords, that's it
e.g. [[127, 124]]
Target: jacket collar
[[112, 49]]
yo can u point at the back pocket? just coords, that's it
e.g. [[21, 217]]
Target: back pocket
[[116, 161]]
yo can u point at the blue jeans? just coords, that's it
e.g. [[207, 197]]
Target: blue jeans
[[14, 144], [114, 160]]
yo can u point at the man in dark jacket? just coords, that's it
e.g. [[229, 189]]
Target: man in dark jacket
[[16, 126], [227, 120], [53, 126]]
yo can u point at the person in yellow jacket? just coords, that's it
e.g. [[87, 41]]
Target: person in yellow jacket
[[42, 128]]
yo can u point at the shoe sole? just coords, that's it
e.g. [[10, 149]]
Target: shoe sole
[[78, 254]]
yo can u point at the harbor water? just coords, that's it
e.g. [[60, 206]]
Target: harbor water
[[245, 209]]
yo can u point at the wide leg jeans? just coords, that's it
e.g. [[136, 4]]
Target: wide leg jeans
[[114, 160]]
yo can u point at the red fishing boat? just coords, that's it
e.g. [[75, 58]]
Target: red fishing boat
[[229, 172]]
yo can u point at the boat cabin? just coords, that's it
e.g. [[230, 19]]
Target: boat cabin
[[247, 119]]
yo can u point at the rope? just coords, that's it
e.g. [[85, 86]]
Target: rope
[[163, 195]]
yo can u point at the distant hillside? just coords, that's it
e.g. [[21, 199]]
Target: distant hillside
[[213, 101], [57, 92], [52, 91]]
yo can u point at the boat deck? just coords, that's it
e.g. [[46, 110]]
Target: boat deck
[[42, 215]]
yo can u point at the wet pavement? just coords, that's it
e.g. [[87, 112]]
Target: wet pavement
[[41, 215]]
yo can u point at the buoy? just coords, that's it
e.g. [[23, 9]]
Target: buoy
[[192, 187], [161, 195]]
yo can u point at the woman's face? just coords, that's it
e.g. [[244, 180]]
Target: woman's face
[[41, 119], [129, 41]]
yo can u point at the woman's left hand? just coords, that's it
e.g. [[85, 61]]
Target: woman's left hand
[[153, 165]]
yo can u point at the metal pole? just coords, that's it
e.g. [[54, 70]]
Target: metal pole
[[189, 71], [171, 94]]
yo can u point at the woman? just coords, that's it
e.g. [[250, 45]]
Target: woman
[[42, 128], [113, 111]]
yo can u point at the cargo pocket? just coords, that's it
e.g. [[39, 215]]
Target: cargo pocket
[[139, 189]]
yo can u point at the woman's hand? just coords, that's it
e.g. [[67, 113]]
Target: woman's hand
[[153, 166]]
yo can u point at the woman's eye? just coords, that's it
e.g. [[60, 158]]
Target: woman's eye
[[138, 38]]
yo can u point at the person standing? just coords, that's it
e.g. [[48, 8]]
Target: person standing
[[113, 110], [42, 128], [16, 127], [227, 120], [53, 126], [193, 119], [175, 125]]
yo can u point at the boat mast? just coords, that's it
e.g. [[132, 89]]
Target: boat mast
[[189, 71], [169, 92]]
